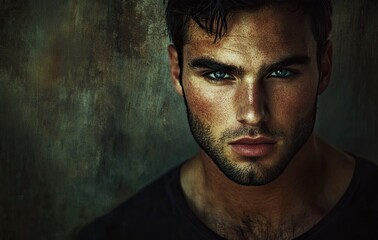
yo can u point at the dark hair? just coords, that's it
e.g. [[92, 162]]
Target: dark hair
[[211, 16]]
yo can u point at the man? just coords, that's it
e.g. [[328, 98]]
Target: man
[[250, 73]]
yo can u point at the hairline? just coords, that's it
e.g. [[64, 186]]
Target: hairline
[[320, 41]]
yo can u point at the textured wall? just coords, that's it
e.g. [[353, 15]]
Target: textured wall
[[348, 111], [88, 116]]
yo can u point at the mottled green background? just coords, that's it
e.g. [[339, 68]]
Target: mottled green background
[[88, 116]]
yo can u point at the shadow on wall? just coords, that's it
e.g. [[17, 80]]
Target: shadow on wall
[[24, 175], [87, 111], [348, 110]]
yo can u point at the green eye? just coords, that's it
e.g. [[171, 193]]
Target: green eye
[[218, 75], [281, 73]]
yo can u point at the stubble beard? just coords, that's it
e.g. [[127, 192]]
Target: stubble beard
[[253, 173]]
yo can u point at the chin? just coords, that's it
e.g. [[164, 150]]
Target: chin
[[252, 171]]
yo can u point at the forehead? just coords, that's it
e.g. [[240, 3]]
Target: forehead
[[270, 27]]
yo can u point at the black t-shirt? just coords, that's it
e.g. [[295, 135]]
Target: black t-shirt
[[160, 211]]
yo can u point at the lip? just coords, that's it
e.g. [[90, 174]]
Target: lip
[[253, 147]]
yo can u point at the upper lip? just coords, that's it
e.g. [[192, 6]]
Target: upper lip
[[255, 140]]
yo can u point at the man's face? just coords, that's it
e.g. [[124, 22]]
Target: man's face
[[251, 97]]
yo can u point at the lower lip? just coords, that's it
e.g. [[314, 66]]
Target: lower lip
[[253, 150]]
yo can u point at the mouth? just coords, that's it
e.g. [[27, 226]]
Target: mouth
[[253, 147]]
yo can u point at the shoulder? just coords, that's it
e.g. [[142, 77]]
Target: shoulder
[[365, 177], [147, 209], [356, 214], [364, 189], [360, 214]]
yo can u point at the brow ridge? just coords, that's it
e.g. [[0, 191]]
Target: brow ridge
[[209, 63]]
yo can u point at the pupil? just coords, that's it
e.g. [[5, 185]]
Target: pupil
[[219, 74], [281, 72]]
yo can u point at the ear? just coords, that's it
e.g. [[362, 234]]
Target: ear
[[174, 68], [325, 68]]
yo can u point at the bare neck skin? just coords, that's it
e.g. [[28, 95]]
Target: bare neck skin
[[307, 190]]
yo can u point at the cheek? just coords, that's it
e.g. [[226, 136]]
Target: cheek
[[209, 104], [293, 103]]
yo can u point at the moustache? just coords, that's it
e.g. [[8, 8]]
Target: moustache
[[252, 132]]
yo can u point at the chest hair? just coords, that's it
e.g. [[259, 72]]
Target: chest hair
[[254, 227]]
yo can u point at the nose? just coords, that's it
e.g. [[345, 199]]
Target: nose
[[251, 104]]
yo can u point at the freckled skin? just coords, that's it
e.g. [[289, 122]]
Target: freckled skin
[[283, 109]]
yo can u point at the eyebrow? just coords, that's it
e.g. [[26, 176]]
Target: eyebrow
[[209, 63]]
